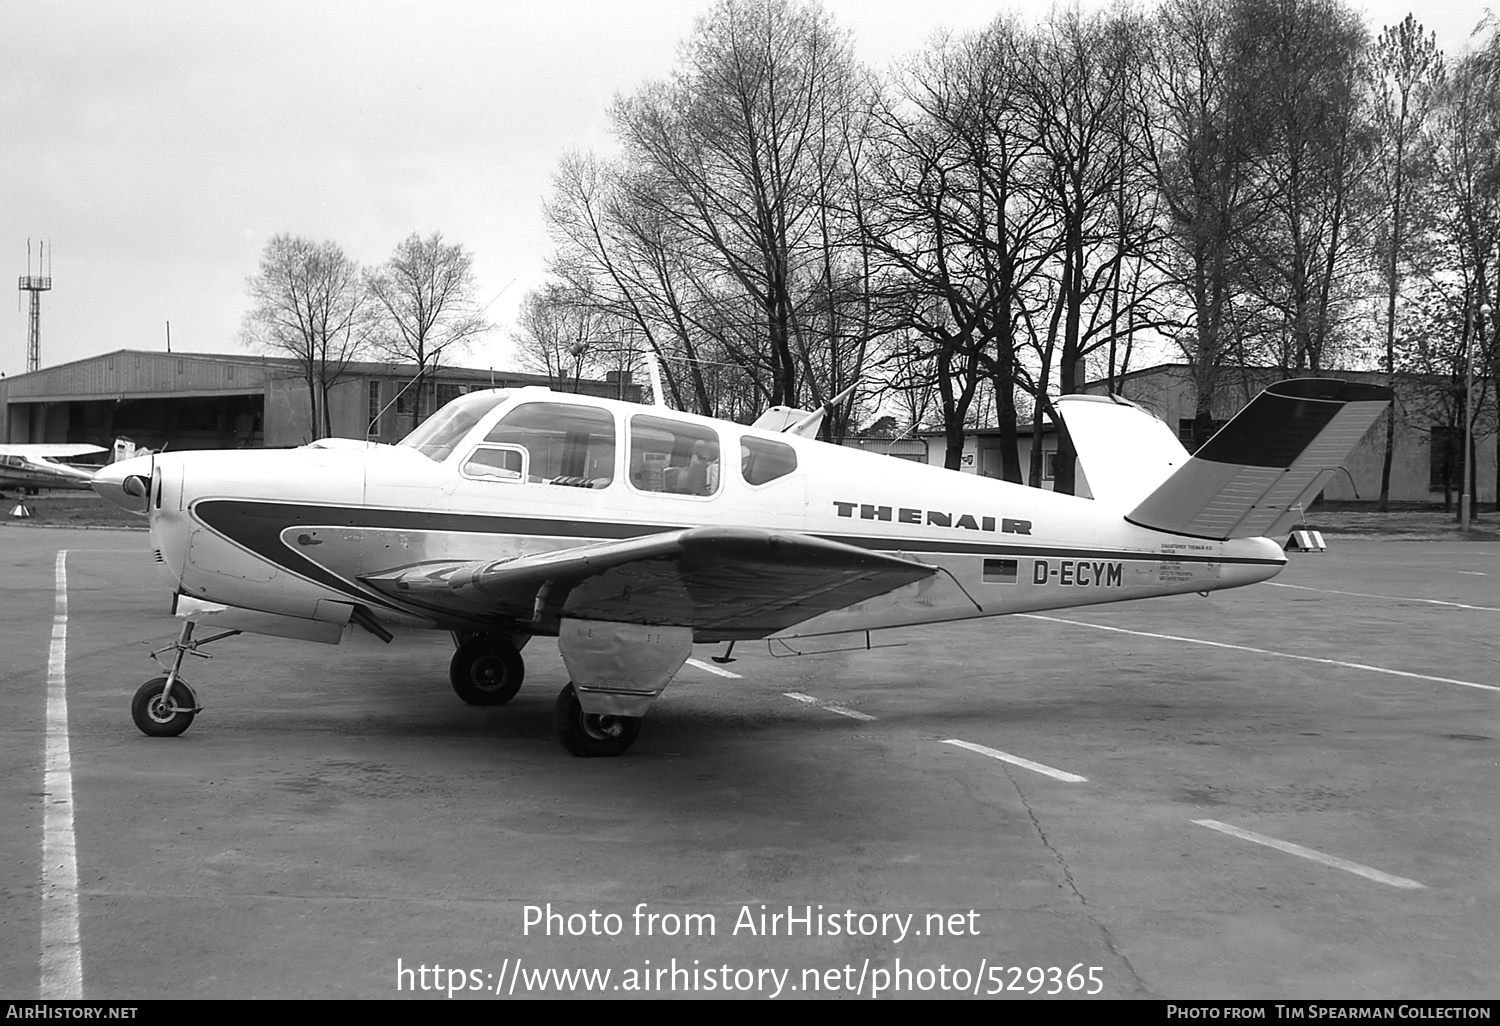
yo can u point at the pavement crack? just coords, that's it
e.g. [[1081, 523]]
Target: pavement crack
[[1083, 901]]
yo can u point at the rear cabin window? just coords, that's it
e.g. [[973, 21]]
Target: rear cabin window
[[549, 443], [674, 457], [762, 460]]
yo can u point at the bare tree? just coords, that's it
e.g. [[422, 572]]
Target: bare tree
[[627, 263], [1205, 137], [731, 162], [1309, 250], [1408, 70], [425, 293], [1090, 124], [1434, 398], [905, 380], [836, 326], [566, 335], [1466, 151], [309, 303], [955, 223]]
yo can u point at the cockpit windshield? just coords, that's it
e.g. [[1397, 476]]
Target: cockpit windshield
[[438, 435]]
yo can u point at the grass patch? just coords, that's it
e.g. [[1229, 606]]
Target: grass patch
[[68, 509]]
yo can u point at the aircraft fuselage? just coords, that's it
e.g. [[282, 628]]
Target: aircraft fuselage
[[295, 532]]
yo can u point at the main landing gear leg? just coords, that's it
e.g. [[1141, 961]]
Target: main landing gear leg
[[165, 706], [487, 669], [591, 734], [617, 671]]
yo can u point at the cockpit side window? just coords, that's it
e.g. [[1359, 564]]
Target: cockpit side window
[[496, 463], [673, 456], [563, 444], [762, 460], [437, 437]]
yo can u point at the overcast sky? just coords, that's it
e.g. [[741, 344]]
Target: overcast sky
[[158, 145]]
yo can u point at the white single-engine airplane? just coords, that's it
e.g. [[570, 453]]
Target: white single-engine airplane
[[32, 466], [631, 533]]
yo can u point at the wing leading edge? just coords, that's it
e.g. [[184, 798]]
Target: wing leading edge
[[725, 583]]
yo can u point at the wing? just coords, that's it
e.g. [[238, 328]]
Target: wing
[[49, 450], [723, 582]]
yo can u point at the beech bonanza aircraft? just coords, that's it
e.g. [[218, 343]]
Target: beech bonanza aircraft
[[32, 466], [631, 533]]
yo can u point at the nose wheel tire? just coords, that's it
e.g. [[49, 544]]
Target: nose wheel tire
[[486, 670], [159, 717], [589, 734]]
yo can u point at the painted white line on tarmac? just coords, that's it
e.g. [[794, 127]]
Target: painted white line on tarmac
[[853, 714], [1016, 760], [1392, 598], [62, 956], [713, 669], [1266, 651], [1310, 853]]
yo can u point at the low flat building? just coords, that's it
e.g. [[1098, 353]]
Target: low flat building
[[981, 452]]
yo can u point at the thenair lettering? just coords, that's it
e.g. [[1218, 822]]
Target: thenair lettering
[[1078, 573], [931, 517]]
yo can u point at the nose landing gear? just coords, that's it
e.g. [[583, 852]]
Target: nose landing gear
[[162, 711], [165, 706]]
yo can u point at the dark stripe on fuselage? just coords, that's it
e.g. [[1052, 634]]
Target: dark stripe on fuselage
[[258, 525]]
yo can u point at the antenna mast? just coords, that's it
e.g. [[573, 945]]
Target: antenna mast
[[36, 285]]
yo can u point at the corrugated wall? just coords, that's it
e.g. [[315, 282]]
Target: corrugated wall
[[128, 373]]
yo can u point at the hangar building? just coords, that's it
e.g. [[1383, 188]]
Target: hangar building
[[222, 401]]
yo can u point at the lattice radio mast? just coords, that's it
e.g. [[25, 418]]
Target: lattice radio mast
[[35, 284]]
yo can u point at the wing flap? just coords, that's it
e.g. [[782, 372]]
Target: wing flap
[[723, 582]]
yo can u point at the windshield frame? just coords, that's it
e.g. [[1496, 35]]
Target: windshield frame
[[439, 435]]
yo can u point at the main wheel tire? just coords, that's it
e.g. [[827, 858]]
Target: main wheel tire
[[588, 735], [487, 670], [158, 718]]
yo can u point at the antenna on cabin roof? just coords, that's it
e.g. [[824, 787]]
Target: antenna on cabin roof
[[35, 284], [653, 368]]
